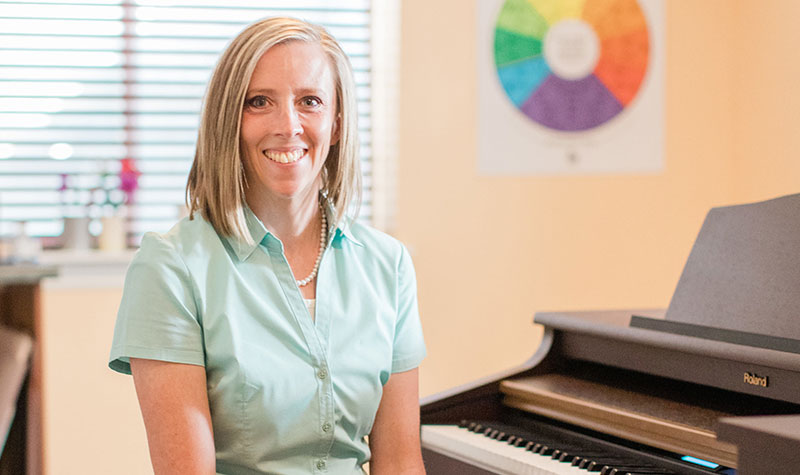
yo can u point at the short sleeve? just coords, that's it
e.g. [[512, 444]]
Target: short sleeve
[[157, 317], [409, 344]]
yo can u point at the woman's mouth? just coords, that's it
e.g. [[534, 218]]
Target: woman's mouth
[[285, 156]]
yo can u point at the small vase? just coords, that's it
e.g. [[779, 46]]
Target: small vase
[[113, 237]]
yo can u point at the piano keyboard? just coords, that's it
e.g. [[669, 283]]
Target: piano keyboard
[[495, 451], [490, 454]]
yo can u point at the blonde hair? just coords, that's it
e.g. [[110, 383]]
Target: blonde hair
[[216, 183]]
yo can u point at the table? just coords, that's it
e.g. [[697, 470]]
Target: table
[[20, 308]]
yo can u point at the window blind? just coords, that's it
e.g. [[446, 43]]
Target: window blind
[[85, 84]]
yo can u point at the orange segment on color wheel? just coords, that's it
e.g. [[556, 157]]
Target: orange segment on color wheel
[[571, 65]]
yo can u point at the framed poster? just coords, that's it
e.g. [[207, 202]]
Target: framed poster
[[570, 86]]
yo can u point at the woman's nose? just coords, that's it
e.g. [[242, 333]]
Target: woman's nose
[[287, 122]]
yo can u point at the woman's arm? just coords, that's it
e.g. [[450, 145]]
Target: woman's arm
[[174, 405], [394, 440]]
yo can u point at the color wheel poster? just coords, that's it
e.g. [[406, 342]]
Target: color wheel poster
[[570, 86]]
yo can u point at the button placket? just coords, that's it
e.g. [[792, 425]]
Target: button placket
[[327, 411], [315, 345]]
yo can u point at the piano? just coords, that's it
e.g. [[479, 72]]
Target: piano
[[709, 385]]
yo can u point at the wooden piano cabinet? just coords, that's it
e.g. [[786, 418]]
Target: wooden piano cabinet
[[767, 444], [20, 309]]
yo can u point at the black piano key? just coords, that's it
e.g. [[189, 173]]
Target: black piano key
[[638, 471], [586, 456], [566, 457], [598, 464], [516, 441], [529, 445], [464, 423], [493, 433], [562, 455], [477, 428], [501, 436]]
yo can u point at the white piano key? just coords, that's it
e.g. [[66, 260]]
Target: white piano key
[[490, 454]]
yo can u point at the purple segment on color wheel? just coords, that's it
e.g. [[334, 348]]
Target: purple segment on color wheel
[[571, 105]]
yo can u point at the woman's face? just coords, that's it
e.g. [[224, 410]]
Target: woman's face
[[288, 121]]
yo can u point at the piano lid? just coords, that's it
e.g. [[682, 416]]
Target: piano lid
[[733, 319], [743, 272]]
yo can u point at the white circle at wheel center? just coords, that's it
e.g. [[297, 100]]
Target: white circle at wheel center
[[571, 49]]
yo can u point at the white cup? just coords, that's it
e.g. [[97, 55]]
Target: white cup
[[76, 234]]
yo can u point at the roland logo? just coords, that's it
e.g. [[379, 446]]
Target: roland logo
[[756, 380]]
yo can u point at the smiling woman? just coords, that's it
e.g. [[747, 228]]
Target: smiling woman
[[239, 366], [288, 124]]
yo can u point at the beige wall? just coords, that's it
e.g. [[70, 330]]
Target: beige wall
[[767, 102], [491, 251], [92, 422]]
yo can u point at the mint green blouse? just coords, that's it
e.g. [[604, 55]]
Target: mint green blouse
[[288, 393]]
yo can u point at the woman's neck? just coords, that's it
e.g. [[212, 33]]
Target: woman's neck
[[289, 219]]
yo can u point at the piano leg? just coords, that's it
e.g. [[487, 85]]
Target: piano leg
[[438, 464]]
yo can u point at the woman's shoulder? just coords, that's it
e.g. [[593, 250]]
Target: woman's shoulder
[[374, 240], [187, 237]]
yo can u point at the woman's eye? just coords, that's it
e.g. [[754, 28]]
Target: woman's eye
[[311, 101], [257, 101]]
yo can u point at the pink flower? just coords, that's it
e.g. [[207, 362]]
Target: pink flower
[[128, 178]]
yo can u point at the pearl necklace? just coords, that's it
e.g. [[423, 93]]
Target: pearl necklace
[[323, 234]]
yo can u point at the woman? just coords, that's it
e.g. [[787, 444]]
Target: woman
[[268, 332]]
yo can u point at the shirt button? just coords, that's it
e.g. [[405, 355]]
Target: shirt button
[[322, 373], [326, 427], [320, 465]]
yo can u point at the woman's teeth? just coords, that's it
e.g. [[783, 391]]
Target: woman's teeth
[[284, 157]]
